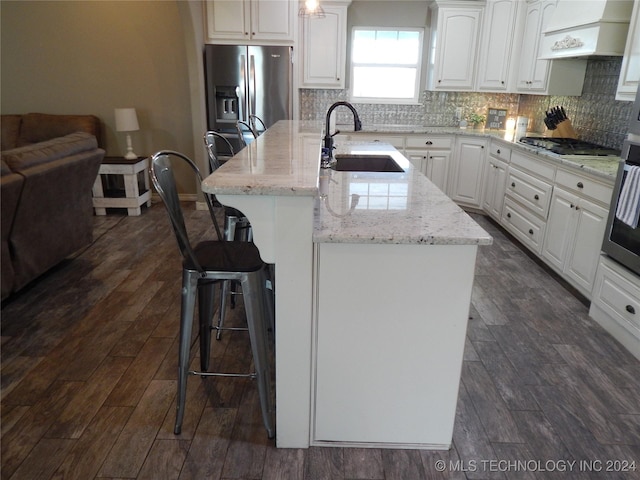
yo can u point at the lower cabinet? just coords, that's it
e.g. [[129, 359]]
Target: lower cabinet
[[433, 164], [495, 184], [575, 229], [467, 171], [616, 303]]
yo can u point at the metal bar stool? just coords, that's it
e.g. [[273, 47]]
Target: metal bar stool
[[236, 225], [204, 265]]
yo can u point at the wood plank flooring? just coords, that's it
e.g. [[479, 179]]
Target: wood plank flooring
[[88, 379]]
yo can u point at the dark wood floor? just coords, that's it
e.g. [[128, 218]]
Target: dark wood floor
[[88, 379]]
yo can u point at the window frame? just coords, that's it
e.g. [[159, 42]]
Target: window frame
[[418, 66]]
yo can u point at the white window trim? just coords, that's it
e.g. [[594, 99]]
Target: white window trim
[[391, 100]]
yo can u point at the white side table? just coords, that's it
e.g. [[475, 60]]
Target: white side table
[[131, 197]]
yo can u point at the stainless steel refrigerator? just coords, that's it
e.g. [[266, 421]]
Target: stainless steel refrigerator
[[243, 80]]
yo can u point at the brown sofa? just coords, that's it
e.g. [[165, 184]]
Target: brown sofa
[[49, 164]]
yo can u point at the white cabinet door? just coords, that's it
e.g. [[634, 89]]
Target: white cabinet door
[[532, 73], [495, 186], [433, 164], [227, 20], [630, 71], [325, 44], [560, 228], [438, 168], [573, 238], [498, 31], [419, 160], [456, 38], [545, 77], [467, 174], [585, 250], [256, 21]]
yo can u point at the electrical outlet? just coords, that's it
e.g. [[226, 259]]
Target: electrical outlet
[[458, 113]]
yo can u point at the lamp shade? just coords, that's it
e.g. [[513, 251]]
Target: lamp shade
[[126, 120]]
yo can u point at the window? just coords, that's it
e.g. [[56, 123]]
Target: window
[[385, 65]]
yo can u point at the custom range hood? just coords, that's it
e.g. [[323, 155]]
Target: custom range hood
[[581, 28]]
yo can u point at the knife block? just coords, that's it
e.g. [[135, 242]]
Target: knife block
[[564, 130]]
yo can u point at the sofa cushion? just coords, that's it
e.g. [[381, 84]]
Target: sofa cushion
[[37, 127], [10, 128], [4, 168], [28, 156]]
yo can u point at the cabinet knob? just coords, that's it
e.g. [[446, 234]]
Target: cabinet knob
[[580, 185], [630, 309], [530, 231], [536, 197], [428, 142], [508, 215], [571, 205], [513, 184], [502, 82], [498, 151]]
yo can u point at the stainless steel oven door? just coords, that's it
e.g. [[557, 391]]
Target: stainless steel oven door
[[622, 242]]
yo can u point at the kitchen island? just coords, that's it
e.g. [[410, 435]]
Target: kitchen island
[[373, 282]]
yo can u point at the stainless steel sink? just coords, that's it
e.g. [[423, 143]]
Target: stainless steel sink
[[365, 163]]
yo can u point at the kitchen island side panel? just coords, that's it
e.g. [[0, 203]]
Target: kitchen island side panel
[[389, 334]]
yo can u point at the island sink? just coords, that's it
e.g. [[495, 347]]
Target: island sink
[[365, 163]]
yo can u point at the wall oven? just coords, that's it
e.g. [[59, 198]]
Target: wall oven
[[621, 240]]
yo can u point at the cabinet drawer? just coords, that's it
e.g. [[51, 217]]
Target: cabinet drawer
[[498, 150], [526, 227], [532, 192], [538, 167], [585, 186], [618, 296], [429, 142]]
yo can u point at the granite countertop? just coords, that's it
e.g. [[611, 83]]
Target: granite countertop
[[284, 160], [604, 167], [389, 208]]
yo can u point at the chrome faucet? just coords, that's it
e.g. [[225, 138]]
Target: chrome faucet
[[328, 137]]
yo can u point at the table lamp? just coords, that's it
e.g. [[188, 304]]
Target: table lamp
[[127, 121]]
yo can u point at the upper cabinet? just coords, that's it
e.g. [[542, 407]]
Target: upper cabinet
[[324, 44], [630, 71], [251, 21], [545, 77], [494, 47], [497, 45], [455, 30]]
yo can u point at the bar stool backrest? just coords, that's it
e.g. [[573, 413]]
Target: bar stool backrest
[[212, 149], [164, 181]]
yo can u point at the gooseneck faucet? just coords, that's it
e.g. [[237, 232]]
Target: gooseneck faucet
[[328, 137]]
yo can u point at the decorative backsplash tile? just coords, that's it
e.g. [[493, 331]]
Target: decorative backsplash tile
[[596, 115]]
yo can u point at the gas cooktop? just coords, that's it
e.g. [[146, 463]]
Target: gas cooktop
[[569, 146]]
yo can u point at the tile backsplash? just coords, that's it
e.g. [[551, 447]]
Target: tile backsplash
[[596, 115]]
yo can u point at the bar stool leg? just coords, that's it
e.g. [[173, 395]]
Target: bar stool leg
[[206, 304], [253, 294], [189, 291]]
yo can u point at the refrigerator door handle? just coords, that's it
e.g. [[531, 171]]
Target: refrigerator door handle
[[241, 91], [252, 85]]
